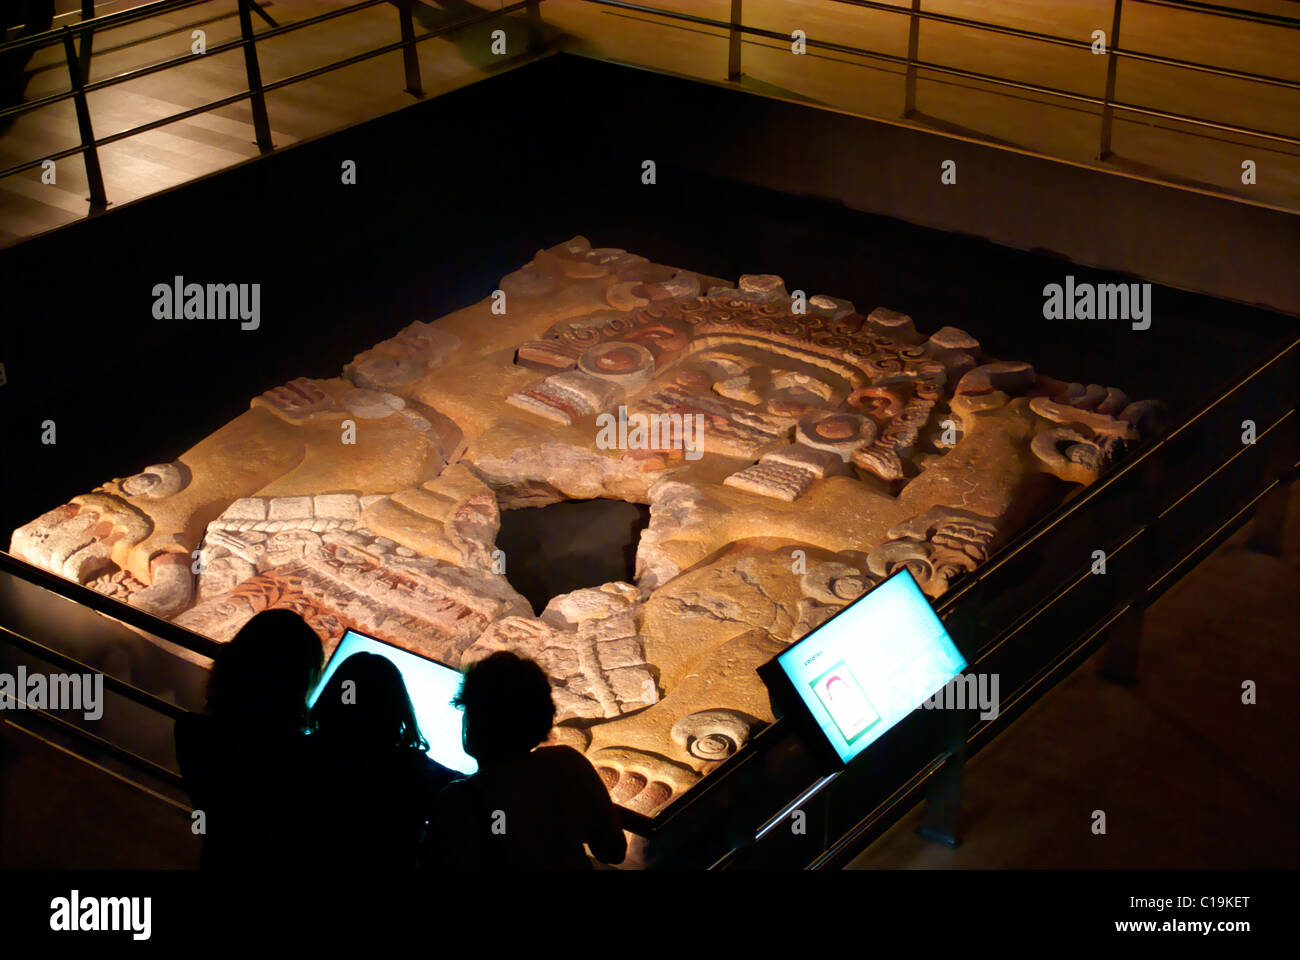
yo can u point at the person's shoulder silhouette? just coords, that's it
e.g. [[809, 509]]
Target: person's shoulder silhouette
[[245, 762], [528, 806], [375, 766]]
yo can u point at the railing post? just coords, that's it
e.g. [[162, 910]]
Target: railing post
[[410, 56], [1112, 66], [87, 39], [733, 58], [257, 9], [89, 152], [261, 125], [913, 48], [533, 14]]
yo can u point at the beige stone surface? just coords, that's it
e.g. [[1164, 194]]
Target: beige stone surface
[[792, 454]]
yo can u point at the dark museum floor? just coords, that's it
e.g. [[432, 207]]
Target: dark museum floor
[[1188, 777]]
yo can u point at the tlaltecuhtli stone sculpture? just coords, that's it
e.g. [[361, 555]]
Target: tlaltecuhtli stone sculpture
[[802, 452]]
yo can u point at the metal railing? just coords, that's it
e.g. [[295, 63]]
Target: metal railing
[[78, 68], [77, 63], [736, 31], [1163, 548]]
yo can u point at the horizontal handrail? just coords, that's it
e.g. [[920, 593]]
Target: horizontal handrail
[[888, 810], [138, 13], [72, 665], [961, 72], [122, 754], [1020, 33], [145, 11], [913, 64], [225, 47], [107, 22], [1229, 13], [236, 97], [979, 25]]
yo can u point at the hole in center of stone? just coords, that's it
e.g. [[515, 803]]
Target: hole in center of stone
[[570, 545]]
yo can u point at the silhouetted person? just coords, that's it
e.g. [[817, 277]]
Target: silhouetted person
[[246, 762], [377, 777], [525, 807]]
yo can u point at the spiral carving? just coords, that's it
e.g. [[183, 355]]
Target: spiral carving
[[711, 735], [158, 481], [584, 335], [714, 746], [833, 341]]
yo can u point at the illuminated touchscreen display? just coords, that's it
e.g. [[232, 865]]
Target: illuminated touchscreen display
[[872, 664]]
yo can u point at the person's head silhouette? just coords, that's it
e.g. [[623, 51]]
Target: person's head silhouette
[[508, 707], [366, 703], [263, 675]]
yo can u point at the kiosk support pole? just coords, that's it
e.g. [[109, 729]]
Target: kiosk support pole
[[943, 798]]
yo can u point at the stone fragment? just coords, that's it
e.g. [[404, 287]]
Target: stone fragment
[[289, 508], [838, 433], [627, 365], [711, 734], [1114, 403], [372, 404], [298, 400], [623, 296], [157, 482], [762, 287], [892, 322], [1009, 377], [951, 338], [821, 463], [1147, 417], [247, 508], [1098, 423], [834, 583], [336, 506], [831, 307], [586, 640], [769, 479], [171, 589]]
